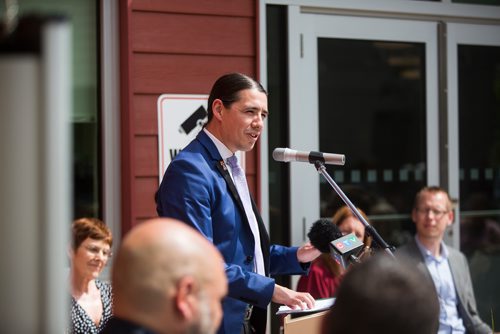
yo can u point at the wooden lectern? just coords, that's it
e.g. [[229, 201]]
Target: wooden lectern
[[310, 324]]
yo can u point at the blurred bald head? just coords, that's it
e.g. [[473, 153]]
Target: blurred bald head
[[169, 278]]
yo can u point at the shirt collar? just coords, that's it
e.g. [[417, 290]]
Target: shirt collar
[[427, 253], [223, 150]]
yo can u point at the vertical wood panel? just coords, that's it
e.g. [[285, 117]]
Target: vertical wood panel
[[126, 124], [146, 114], [145, 189], [146, 156]]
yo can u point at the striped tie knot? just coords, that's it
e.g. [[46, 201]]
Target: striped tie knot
[[232, 161]]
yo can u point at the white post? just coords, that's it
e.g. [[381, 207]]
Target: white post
[[35, 184]]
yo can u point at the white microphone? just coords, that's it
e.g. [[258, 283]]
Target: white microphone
[[286, 155]]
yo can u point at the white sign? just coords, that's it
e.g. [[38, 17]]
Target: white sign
[[180, 118]]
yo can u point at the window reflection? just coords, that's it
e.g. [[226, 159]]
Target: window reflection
[[479, 140], [85, 113], [372, 108]]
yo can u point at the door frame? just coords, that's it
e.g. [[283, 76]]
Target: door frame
[[470, 34], [304, 30]]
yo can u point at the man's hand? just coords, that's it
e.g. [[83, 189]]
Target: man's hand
[[292, 299], [307, 253]]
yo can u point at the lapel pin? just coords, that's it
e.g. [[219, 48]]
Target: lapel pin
[[223, 164]]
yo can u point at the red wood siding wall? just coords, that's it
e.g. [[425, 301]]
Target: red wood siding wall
[[174, 47]]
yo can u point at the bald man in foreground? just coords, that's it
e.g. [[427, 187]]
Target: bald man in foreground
[[167, 278]]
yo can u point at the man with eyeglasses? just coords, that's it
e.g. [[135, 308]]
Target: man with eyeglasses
[[447, 267]]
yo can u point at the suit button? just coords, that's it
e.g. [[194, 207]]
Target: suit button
[[249, 259]]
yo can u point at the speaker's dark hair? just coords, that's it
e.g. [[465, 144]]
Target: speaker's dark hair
[[227, 89]]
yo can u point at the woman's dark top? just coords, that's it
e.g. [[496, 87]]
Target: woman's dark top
[[81, 322]]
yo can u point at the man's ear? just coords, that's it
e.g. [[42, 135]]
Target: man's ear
[[217, 107], [185, 298], [414, 215], [451, 217], [70, 251]]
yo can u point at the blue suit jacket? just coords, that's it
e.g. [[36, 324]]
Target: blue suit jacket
[[197, 189]]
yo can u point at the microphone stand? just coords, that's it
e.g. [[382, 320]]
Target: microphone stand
[[369, 229]]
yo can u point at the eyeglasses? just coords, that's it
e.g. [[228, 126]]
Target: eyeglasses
[[94, 250], [438, 214]]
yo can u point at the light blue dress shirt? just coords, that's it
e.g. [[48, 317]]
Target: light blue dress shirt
[[450, 321]]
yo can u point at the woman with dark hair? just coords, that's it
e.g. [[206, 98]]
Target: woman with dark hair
[[325, 274], [91, 299]]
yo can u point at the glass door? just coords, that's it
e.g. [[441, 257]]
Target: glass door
[[474, 155], [366, 88]]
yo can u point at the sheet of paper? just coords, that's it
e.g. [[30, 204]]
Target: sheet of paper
[[319, 305]]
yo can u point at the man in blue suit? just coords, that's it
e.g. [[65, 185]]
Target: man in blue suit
[[199, 188]]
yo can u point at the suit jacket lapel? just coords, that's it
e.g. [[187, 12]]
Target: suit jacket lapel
[[221, 166], [454, 268], [264, 237], [456, 274], [417, 255]]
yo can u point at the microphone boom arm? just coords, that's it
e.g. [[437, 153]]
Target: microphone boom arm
[[369, 229]]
